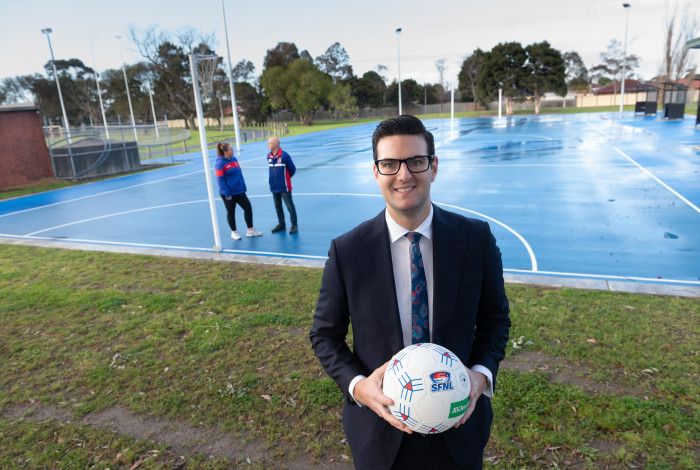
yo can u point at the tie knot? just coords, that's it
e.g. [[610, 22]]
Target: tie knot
[[413, 237]]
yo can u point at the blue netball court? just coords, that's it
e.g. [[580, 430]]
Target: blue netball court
[[582, 195]]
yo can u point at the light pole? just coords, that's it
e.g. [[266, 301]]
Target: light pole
[[47, 32], [626, 6], [398, 55], [126, 84], [234, 106], [99, 91]]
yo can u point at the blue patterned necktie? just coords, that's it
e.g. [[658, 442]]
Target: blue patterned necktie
[[420, 328]]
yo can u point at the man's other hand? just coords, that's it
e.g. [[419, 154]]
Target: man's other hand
[[368, 391], [478, 385]]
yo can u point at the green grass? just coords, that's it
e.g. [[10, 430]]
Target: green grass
[[46, 184], [96, 330]]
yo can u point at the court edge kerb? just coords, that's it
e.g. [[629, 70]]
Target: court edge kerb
[[551, 280]]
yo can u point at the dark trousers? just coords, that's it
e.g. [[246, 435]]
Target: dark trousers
[[429, 452], [243, 201], [287, 197]]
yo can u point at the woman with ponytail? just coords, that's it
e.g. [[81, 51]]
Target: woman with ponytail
[[232, 189]]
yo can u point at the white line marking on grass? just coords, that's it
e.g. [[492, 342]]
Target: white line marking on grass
[[658, 180]]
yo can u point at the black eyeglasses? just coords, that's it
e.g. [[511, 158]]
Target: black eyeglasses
[[391, 166]]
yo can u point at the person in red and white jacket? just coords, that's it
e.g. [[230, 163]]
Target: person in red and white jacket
[[232, 189], [281, 171]]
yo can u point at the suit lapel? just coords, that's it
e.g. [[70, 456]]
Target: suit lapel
[[379, 273], [448, 255]]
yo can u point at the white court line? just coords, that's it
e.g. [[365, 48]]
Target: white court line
[[649, 173], [530, 252], [99, 194], [507, 137], [465, 167], [604, 276], [115, 214], [533, 260], [658, 180], [112, 190], [170, 247], [211, 250]]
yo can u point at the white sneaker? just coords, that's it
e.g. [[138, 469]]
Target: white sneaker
[[251, 232], [235, 235]]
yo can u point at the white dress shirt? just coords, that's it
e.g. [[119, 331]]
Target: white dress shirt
[[400, 259]]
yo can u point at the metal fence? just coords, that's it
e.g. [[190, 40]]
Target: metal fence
[[91, 152]]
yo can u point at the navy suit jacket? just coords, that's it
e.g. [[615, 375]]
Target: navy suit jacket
[[470, 318]]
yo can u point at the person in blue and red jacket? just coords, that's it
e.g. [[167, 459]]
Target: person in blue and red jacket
[[232, 189], [281, 171]]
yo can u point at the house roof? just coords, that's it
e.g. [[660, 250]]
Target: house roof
[[631, 86], [8, 108]]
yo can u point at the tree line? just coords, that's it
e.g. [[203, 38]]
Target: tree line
[[295, 81]]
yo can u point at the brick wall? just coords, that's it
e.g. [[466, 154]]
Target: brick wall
[[24, 156]]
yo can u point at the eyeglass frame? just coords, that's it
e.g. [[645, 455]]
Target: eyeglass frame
[[429, 157]]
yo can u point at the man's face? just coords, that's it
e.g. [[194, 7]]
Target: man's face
[[273, 144], [406, 194]]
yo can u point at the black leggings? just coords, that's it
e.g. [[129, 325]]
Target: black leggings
[[243, 201]]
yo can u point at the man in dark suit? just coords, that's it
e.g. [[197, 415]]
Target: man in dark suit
[[414, 273]]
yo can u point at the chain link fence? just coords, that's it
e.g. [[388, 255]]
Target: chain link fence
[[92, 152]]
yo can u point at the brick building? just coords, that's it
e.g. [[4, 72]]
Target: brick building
[[24, 157]]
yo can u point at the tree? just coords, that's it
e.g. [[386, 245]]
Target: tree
[[300, 87], [335, 62], [411, 92], [168, 57], [250, 103], [468, 77], [77, 86], [16, 89], [115, 92], [281, 55], [342, 102], [306, 55], [433, 93], [369, 90], [381, 70], [612, 63], [546, 71], [440, 66], [243, 71], [680, 28], [504, 65], [576, 72]]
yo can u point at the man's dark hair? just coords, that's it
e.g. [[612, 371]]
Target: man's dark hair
[[402, 125]]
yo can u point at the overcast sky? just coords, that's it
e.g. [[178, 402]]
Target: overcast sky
[[431, 29]]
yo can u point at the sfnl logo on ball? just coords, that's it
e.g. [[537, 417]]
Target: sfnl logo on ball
[[441, 381]]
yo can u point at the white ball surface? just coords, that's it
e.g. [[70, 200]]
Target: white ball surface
[[430, 387]]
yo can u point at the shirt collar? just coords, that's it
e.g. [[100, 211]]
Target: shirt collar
[[396, 231]]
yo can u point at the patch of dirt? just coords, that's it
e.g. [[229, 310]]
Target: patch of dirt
[[605, 447], [38, 413], [181, 438], [562, 371]]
